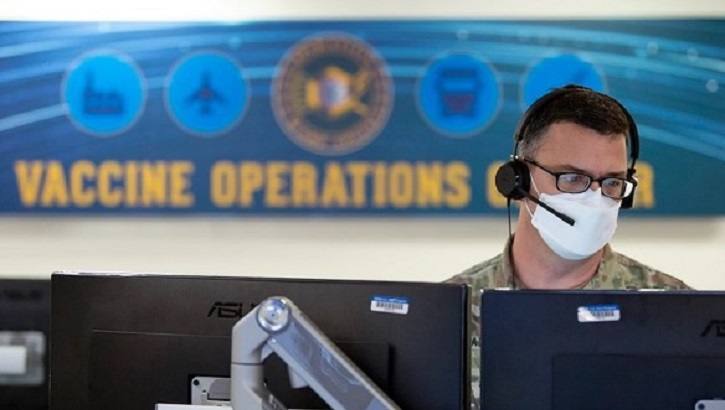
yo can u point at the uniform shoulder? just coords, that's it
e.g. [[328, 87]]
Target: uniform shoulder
[[478, 272], [643, 276]]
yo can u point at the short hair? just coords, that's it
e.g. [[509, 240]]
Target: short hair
[[576, 104]]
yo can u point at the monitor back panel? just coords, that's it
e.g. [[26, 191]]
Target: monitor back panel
[[601, 349], [130, 341]]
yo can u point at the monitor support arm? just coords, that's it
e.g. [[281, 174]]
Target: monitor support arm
[[278, 326]]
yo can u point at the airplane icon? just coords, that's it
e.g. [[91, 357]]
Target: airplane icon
[[206, 96]]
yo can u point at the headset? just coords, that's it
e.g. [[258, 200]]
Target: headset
[[512, 178]]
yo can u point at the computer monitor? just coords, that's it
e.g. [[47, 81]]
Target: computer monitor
[[592, 350], [129, 341], [24, 338]]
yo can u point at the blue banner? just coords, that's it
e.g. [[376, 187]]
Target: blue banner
[[337, 117]]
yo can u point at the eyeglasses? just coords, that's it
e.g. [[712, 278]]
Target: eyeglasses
[[576, 182]]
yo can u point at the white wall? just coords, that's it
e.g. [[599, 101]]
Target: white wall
[[303, 9], [429, 249]]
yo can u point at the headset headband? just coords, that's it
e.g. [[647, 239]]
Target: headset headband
[[532, 111]]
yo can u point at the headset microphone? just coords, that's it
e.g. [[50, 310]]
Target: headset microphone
[[564, 217], [512, 180]]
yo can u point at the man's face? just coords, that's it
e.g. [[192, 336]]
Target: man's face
[[567, 147]]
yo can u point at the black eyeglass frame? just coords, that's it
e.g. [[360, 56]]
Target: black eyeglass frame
[[625, 182]]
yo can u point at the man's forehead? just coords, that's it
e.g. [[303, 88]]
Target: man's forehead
[[579, 148]]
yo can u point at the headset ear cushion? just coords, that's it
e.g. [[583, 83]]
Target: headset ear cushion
[[513, 180]]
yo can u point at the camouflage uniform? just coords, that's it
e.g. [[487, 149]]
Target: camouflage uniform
[[615, 271]]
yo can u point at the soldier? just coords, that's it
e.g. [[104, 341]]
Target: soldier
[[571, 172]]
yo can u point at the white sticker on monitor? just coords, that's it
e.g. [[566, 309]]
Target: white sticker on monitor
[[22, 358], [598, 313], [13, 359], [389, 304]]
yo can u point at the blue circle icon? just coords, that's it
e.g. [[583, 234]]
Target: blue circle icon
[[558, 71], [206, 94], [104, 93], [459, 95]]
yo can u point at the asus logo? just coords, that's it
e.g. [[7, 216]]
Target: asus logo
[[716, 326], [229, 310]]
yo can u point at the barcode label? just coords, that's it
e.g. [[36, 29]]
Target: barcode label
[[388, 304], [598, 313]]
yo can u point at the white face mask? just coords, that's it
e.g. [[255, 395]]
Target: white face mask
[[595, 217]]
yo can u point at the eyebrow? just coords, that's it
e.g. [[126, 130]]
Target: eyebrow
[[571, 168]]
